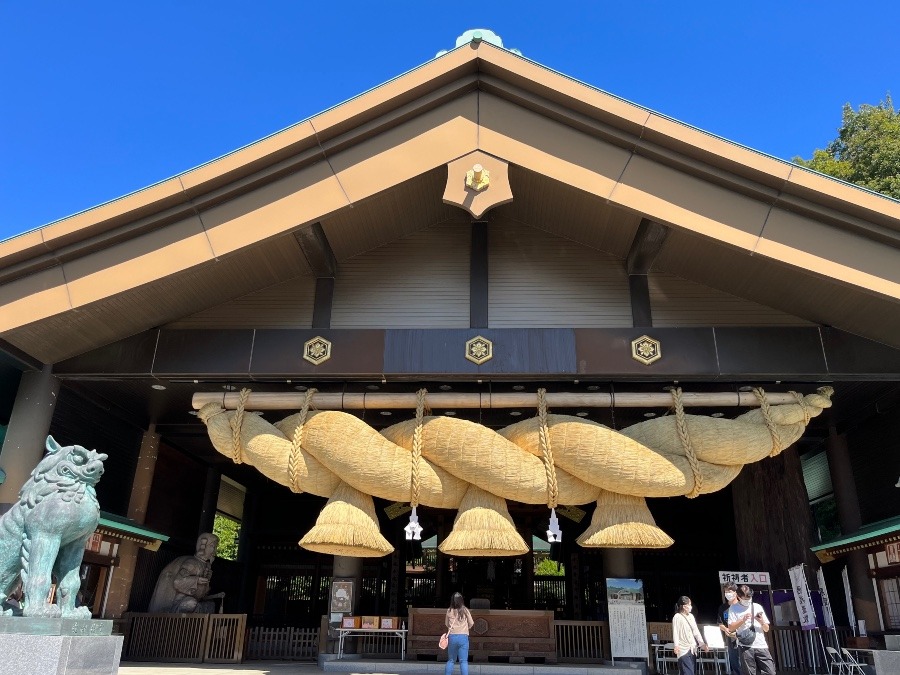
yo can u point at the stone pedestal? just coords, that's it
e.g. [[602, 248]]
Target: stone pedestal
[[59, 647]]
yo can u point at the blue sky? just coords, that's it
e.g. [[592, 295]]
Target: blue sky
[[100, 99]]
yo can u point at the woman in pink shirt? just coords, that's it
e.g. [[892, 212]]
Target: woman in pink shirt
[[458, 622]]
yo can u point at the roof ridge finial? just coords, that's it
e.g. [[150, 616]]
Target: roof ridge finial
[[478, 35]]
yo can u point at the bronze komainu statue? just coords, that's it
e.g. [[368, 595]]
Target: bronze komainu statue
[[44, 533]]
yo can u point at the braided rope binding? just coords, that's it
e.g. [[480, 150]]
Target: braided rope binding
[[297, 442], [685, 437], [803, 406], [417, 446], [547, 451], [765, 408], [236, 422]]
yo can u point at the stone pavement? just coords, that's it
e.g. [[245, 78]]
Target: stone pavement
[[252, 668]]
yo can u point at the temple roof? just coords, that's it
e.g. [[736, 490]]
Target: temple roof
[[742, 222]]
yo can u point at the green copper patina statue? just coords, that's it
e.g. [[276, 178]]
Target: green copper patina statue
[[43, 535]]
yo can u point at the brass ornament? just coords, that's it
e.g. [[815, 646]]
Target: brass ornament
[[479, 350], [317, 350], [478, 178], [646, 349]]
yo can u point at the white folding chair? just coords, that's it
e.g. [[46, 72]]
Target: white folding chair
[[707, 659], [835, 661], [850, 662], [665, 656]]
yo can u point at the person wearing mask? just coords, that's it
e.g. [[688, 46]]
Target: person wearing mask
[[458, 622], [755, 657], [686, 636], [734, 662]]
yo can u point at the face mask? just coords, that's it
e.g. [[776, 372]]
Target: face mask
[[688, 609], [730, 595], [746, 602]]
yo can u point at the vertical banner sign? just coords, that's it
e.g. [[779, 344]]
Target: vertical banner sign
[[851, 615], [826, 603], [627, 618], [802, 599]]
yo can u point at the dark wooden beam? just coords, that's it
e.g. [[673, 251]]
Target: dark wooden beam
[[317, 250], [478, 276], [323, 302], [17, 358], [641, 313], [320, 258], [646, 246]]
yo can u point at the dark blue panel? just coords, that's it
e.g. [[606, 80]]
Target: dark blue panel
[[517, 351]]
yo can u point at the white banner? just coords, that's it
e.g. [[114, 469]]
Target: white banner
[[851, 615], [751, 578], [802, 599], [826, 603], [627, 618]]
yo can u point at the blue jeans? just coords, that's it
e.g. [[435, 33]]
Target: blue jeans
[[457, 649]]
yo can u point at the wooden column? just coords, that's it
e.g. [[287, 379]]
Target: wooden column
[[847, 502], [772, 519], [26, 436], [478, 276], [210, 500], [646, 246], [123, 575], [323, 265]]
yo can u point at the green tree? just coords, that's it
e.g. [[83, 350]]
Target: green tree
[[866, 151], [228, 531], [549, 568]]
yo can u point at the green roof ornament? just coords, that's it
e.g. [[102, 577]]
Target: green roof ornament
[[477, 35]]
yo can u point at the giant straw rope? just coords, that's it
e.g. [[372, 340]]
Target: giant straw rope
[[450, 463]]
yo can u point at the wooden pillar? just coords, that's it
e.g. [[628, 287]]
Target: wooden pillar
[[772, 519], [478, 276], [847, 502], [26, 436], [210, 500], [123, 575], [349, 568], [618, 563]]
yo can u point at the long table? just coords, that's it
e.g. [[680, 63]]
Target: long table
[[344, 632]]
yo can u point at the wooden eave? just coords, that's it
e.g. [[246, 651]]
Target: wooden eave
[[413, 125]]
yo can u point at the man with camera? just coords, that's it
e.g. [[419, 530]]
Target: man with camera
[[749, 622]]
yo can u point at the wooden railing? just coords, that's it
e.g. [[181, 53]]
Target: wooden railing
[[185, 638], [582, 641], [283, 644]]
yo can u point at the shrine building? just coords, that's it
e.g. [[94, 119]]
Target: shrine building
[[480, 285]]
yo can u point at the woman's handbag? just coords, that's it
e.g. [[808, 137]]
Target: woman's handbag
[[442, 643], [747, 636]]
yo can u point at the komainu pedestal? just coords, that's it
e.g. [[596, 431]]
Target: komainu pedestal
[[39, 646]]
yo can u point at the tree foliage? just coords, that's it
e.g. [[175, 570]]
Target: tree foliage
[[866, 151], [228, 531], [549, 568]]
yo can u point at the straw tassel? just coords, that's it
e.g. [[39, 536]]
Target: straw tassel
[[623, 521], [483, 527], [348, 525]]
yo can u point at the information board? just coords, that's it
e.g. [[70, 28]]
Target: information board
[[627, 618]]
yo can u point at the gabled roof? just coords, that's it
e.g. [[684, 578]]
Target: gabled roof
[[743, 222]]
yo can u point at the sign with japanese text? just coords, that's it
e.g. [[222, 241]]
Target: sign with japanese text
[[893, 553], [802, 598], [750, 578], [826, 603], [627, 618]]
